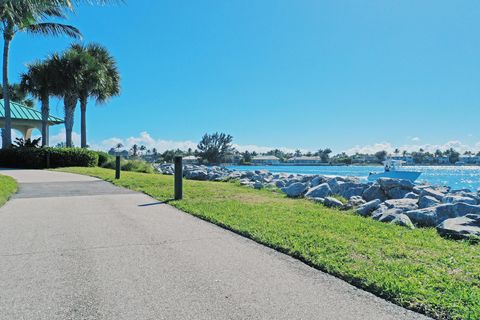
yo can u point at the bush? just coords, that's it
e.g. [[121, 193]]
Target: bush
[[103, 158], [130, 165], [36, 158]]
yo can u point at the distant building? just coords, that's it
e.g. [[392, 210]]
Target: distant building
[[364, 158], [408, 159], [443, 160], [465, 159], [122, 153], [265, 160], [305, 160], [190, 160]]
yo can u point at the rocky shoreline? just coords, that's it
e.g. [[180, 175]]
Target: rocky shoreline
[[454, 213]]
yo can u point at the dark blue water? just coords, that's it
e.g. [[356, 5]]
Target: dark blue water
[[457, 177]]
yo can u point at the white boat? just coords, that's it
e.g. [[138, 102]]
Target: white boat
[[392, 170]]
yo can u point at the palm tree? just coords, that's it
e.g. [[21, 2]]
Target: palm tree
[[27, 16], [98, 78], [38, 82]]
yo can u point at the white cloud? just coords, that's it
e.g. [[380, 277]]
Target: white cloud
[[415, 139], [60, 137], [387, 146]]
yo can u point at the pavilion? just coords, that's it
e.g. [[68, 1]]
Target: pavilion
[[25, 119]]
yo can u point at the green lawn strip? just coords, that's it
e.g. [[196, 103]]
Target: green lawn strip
[[8, 186], [416, 269]]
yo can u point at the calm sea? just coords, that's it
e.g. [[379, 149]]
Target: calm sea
[[457, 177]]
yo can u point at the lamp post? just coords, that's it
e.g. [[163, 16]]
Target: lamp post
[[178, 178]]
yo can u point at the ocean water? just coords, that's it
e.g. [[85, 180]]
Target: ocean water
[[456, 177]]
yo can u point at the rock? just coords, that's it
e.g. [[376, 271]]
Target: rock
[[383, 214], [427, 201], [258, 185], [466, 227], [397, 193], [435, 193], [334, 185], [401, 204], [403, 220], [321, 191], [458, 198], [197, 175], [356, 201], [349, 189], [296, 189], [367, 208], [317, 181], [332, 202], [280, 184], [388, 183], [423, 217], [432, 216], [411, 195], [374, 192]]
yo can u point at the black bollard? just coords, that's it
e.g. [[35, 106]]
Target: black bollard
[[178, 178], [117, 167]]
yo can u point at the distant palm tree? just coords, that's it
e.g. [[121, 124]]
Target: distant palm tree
[[98, 77], [26, 16], [396, 151], [38, 82], [134, 150]]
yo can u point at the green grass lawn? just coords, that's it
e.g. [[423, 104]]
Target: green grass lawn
[[8, 186], [413, 268]]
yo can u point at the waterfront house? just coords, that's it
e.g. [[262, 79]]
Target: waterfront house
[[265, 160], [305, 160], [190, 160]]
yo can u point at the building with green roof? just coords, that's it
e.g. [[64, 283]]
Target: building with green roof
[[25, 119]]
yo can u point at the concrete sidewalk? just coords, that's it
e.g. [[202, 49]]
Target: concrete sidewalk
[[75, 247]]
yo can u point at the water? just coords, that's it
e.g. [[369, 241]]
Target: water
[[456, 177]]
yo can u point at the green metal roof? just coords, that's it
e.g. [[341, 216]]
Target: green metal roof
[[21, 112]]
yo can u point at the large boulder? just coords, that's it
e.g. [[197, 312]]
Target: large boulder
[[317, 180], [334, 184], [367, 208], [402, 220], [397, 193], [432, 216], [454, 198], [332, 202], [427, 201], [388, 183], [280, 184], [295, 190], [374, 192], [355, 201], [466, 227], [197, 175], [436, 193], [321, 191], [411, 195], [350, 189], [401, 204]]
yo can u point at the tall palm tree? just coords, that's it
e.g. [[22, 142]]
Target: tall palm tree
[[38, 81], [65, 81], [99, 79], [28, 16]]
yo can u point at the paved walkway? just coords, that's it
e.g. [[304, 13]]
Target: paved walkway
[[75, 247]]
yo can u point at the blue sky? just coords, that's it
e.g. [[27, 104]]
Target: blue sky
[[349, 75]]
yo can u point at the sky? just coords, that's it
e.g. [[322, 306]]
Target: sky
[[354, 76]]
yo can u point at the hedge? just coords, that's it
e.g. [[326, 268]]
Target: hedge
[[38, 158]]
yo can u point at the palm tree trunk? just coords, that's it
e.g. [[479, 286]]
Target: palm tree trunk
[[83, 111], [70, 104], [7, 132], [45, 113]]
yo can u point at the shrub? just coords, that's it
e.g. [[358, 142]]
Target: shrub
[[103, 158], [37, 158], [130, 165]]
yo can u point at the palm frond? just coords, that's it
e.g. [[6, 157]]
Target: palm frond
[[54, 29]]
